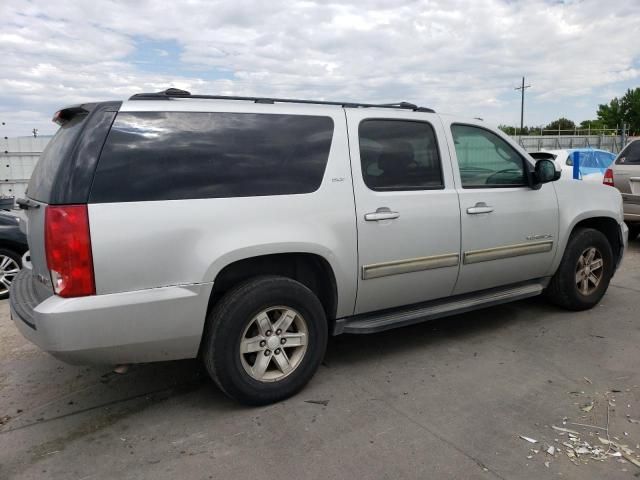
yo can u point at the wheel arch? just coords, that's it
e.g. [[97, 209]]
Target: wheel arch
[[608, 226], [311, 269], [605, 224], [14, 247]]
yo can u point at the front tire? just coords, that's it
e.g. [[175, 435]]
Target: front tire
[[265, 339], [584, 272]]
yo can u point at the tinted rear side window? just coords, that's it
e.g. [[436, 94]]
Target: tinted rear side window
[[180, 155], [57, 150], [399, 155]]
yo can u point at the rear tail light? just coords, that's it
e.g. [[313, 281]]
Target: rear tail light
[[68, 250], [608, 177]]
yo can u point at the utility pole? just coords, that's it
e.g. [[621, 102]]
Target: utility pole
[[522, 89]]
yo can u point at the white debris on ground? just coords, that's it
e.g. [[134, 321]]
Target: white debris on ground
[[589, 437]]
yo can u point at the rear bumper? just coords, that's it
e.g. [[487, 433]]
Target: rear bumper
[[631, 206], [624, 241], [142, 326]]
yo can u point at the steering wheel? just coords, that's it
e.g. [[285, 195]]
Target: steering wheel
[[491, 179]]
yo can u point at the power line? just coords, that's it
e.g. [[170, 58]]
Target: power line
[[522, 89]]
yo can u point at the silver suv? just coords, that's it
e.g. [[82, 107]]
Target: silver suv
[[624, 174], [245, 231]]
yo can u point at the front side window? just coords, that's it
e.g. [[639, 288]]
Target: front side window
[[399, 155], [486, 160], [183, 155]]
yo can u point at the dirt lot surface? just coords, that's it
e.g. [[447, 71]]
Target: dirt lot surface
[[446, 399]]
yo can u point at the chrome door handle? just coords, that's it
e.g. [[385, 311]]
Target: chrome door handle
[[479, 207], [382, 213]]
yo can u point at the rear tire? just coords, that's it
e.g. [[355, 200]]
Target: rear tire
[[584, 272], [634, 231], [277, 362]]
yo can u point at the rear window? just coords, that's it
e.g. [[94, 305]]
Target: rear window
[[179, 155], [630, 155], [57, 150]]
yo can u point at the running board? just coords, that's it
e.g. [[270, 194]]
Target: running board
[[403, 316]]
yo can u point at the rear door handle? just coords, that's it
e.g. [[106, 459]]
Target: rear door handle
[[479, 207], [382, 213]]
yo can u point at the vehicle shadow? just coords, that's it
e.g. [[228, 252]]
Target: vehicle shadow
[[148, 384], [457, 329]]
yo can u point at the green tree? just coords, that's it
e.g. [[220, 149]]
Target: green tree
[[560, 124], [631, 110], [507, 129], [611, 115], [625, 110], [591, 126]]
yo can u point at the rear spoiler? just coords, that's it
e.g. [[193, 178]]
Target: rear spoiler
[[67, 114], [541, 155]]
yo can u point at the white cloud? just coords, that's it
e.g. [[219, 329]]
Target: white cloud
[[463, 56]]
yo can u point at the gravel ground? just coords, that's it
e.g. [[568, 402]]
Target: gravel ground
[[445, 399]]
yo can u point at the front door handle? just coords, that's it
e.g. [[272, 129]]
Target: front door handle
[[479, 207], [382, 213]]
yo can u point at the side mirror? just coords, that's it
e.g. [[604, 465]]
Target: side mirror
[[545, 172]]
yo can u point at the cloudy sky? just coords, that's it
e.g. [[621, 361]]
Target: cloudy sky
[[458, 56]]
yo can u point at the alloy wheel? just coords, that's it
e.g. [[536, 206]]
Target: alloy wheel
[[8, 270], [273, 344], [589, 271]]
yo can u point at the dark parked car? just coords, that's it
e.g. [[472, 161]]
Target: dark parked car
[[13, 244]]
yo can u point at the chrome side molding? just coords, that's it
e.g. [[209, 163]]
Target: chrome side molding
[[397, 267], [497, 253], [376, 270]]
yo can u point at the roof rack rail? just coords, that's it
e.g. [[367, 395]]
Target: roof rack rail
[[177, 93]]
